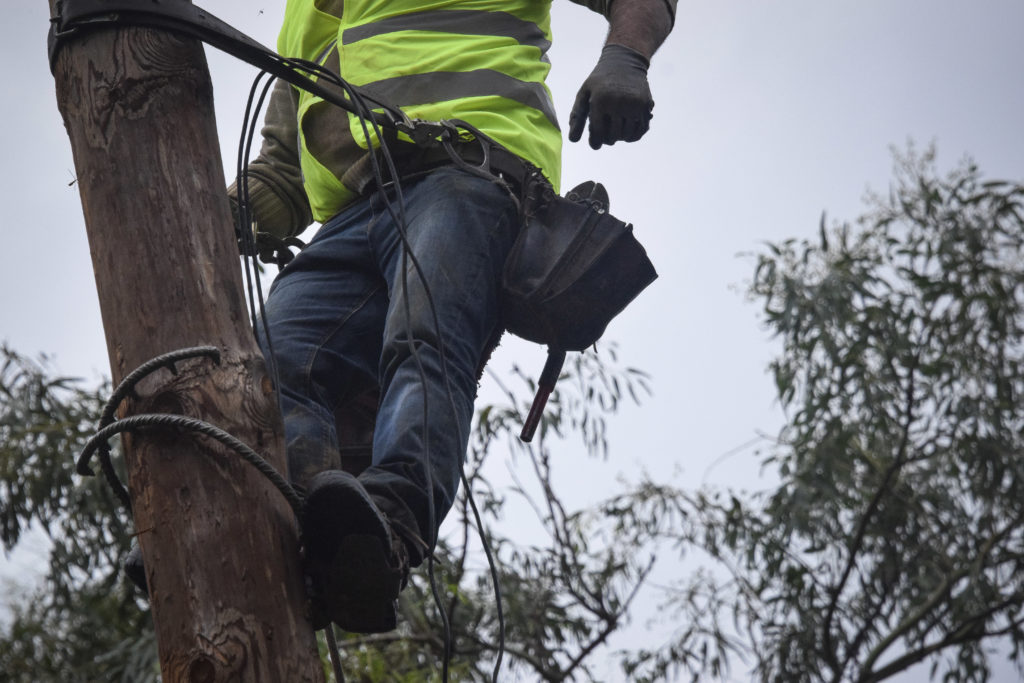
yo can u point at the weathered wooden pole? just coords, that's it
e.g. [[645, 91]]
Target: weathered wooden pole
[[220, 543]]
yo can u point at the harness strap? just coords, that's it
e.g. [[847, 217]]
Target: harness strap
[[477, 156]]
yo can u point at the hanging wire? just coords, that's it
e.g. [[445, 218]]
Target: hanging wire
[[398, 216], [245, 224], [396, 210], [185, 423], [334, 653], [408, 255]]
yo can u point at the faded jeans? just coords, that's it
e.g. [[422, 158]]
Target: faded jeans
[[351, 311]]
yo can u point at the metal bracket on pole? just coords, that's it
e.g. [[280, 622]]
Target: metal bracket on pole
[[75, 17]]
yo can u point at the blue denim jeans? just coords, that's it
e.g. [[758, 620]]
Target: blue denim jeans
[[352, 311]]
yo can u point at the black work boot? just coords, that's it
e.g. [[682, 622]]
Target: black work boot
[[356, 565]]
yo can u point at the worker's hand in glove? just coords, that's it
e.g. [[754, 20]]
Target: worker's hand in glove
[[616, 98]]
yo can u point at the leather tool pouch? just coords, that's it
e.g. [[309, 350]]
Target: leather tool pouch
[[572, 269]]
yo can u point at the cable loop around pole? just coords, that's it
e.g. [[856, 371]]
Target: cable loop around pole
[[190, 424], [109, 426], [127, 388]]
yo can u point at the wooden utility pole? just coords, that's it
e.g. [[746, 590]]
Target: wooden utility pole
[[220, 543]]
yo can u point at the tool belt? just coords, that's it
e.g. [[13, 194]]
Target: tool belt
[[572, 269], [573, 266], [413, 161]]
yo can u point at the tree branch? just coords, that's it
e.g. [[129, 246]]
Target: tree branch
[[519, 653], [858, 539], [965, 633], [941, 592], [612, 623]]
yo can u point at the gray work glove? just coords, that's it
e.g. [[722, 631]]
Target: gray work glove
[[616, 97]]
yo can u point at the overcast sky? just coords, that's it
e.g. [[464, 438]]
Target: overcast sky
[[767, 114]]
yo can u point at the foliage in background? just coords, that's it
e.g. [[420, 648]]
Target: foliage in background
[[566, 591], [84, 623], [895, 535], [563, 595]]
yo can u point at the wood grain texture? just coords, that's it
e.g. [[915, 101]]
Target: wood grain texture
[[220, 543]]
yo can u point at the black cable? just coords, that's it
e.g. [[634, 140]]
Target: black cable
[[245, 225], [245, 219], [364, 113], [491, 564], [125, 388], [493, 568], [250, 254], [408, 252], [334, 653], [408, 255], [185, 423]]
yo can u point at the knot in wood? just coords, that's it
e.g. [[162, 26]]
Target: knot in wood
[[202, 670]]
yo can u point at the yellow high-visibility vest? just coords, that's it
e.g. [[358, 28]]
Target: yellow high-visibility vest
[[481, 61]]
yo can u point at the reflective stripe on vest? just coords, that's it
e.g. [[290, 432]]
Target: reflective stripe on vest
[[468, 22], [480, 61]]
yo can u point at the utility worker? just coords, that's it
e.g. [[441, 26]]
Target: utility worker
[[406, 305]]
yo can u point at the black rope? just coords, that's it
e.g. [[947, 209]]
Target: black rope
[[493, 569], [444, 131], [185, 423], [257, 309], [125, 389], [335, 653], [398, 217]]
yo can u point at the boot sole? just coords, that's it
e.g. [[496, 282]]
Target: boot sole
[[353, 582]]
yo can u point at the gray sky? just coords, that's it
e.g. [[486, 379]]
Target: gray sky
[[767, 114]]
